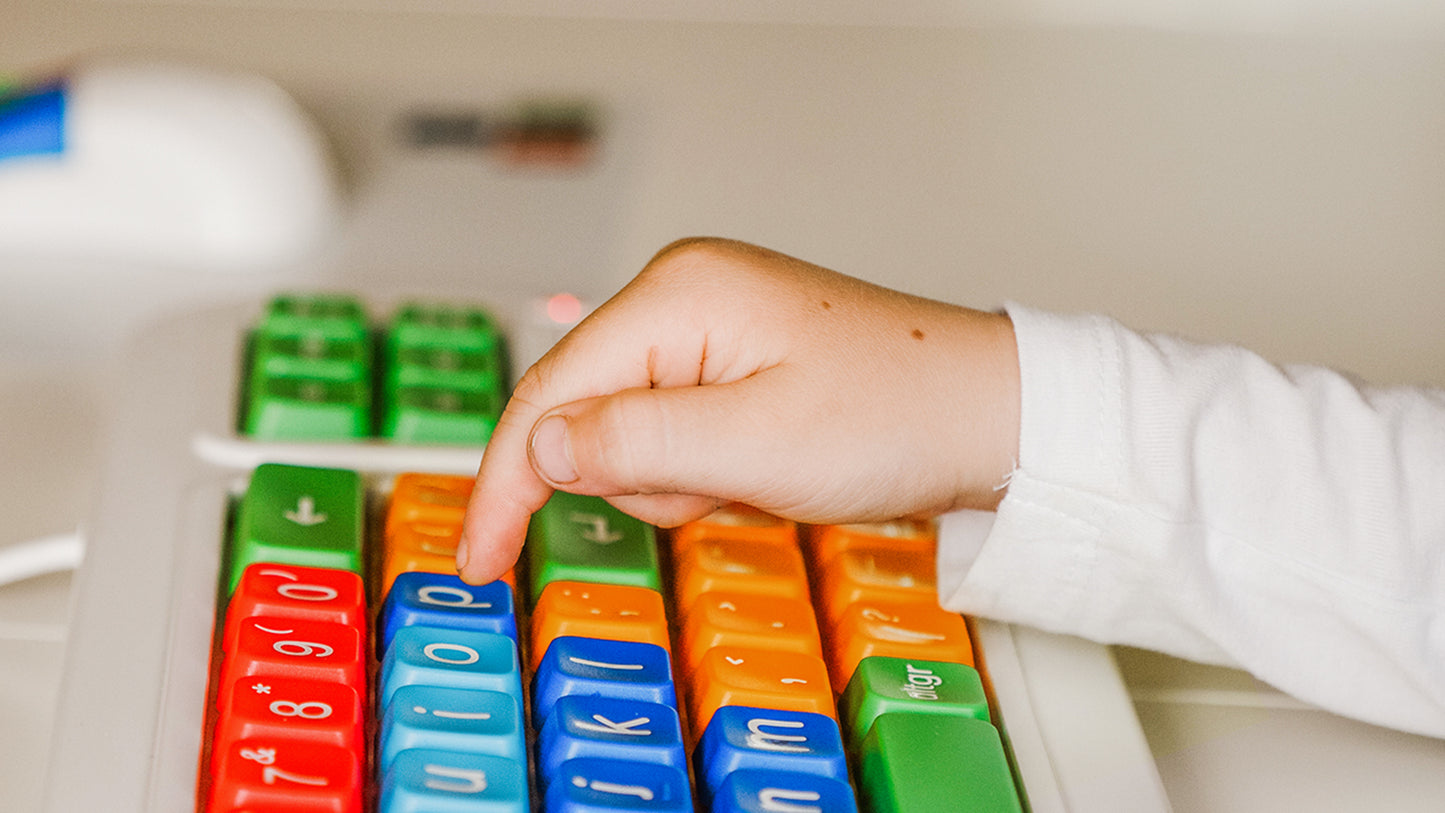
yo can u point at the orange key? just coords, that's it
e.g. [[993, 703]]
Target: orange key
[[423, 546], [434, 499], [748, 620], [739, 566], [612, 611], [736, 521], [913, 535], [875, 574], [763, 678], [918, 630]]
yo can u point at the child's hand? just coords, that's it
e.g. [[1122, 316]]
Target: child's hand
[[726, 372]]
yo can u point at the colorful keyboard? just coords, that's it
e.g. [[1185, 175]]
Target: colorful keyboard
[[269, 619]]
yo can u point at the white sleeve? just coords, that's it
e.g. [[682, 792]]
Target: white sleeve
[[1199, 501]]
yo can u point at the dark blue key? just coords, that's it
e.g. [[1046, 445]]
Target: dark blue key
[[589, 785], [763, 791], [443, 600], [621, 669], [794, 741], [590, 726]]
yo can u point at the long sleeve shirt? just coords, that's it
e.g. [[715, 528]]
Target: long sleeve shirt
[[1200, 501]]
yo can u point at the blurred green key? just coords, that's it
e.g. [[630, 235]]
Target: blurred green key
[[299, 515], [575, 538], [935, 763], [881, 685]]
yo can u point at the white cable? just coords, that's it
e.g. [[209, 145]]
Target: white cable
[[49, 554]]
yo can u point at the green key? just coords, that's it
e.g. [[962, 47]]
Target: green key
[[311, 355], [299, 515], [431, 415], [333, 316], [281, 408], [881, 685], [421, 325], [575, 538], [935, 763], [446, 367]]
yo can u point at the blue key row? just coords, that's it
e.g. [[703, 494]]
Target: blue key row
[[608, 733]]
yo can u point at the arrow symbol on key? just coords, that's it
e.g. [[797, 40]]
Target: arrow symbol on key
[[597, 531], [305, 513]]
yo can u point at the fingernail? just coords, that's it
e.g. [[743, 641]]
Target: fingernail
[[464, 553], [549, 450]]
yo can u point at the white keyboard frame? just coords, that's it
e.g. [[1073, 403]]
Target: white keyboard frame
[[131, 711]]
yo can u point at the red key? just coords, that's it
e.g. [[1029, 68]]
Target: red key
[[291, 591], [293, 648], [291, 710], [300, 777]]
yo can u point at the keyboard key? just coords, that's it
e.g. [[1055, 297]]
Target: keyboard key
[[445, 378], [735, 521], [430, 499], [291, 591], [297, 649], [440, 415], [925, 763], [609, 728], [419, 546], [286, 709], [298, 515], [920, 630], [311, 355], [733, 676], [624, 670], [875, 575], [884, 685], [265, 774], [590, 785], [458, 659], [451, 782], [610, 611], [329, 315], [441, 600], [768, 791], [739, 566], [307, 409], [463, 720], [584, 539], [823, 542], [748, 620], [741, 737]]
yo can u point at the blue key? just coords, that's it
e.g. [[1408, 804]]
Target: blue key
[[763, 791], [621, 669], [591, 726], [435, 656], [443, 600], [452, 720], [795, 741], [449, 782], [589, 785]]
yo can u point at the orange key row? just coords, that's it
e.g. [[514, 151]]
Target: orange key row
[[424, 525]]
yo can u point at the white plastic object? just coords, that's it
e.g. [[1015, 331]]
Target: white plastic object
[[172, 165]]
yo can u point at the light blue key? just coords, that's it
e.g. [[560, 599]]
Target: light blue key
[[449, 782], [591, 726], [588, 785], [443, 600], [794, 741], [452, 720], [449, 658], [762, 791]]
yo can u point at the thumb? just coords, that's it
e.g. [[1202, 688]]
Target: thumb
[[699, 441]]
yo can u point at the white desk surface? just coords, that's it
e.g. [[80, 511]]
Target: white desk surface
[[1277, 187]]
